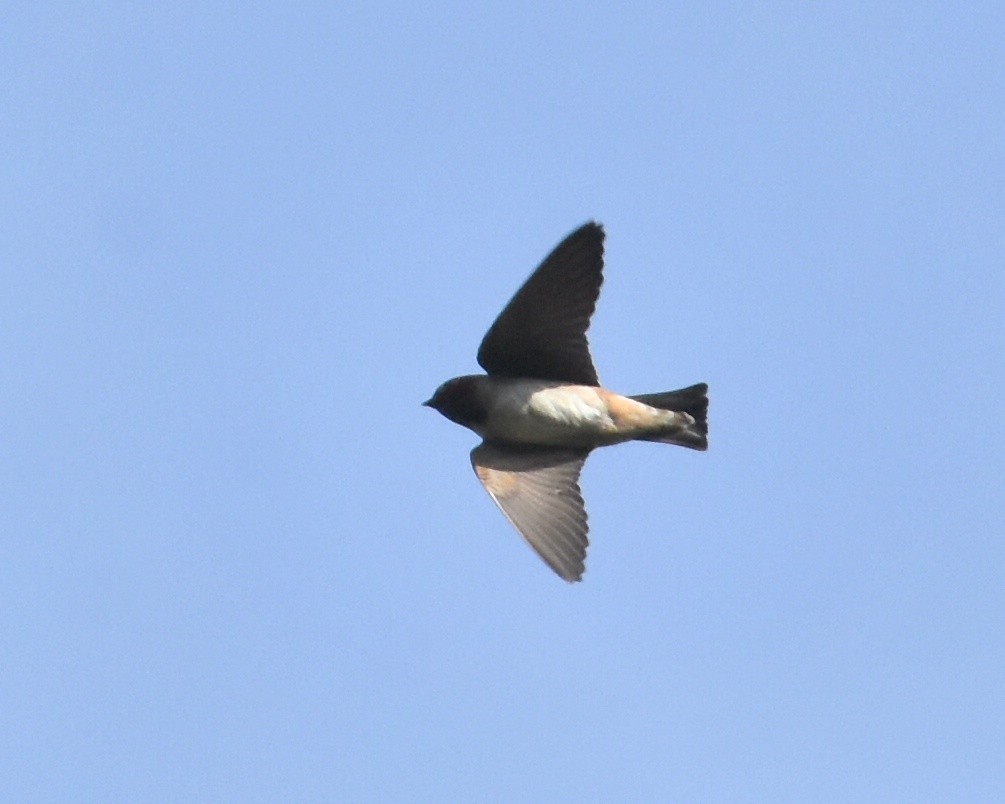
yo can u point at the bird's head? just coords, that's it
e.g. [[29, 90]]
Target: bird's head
[[460, 400]]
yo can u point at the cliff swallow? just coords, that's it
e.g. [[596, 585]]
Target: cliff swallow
[[540, 409]]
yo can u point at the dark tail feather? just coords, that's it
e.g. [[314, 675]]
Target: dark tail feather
[[694, 402]]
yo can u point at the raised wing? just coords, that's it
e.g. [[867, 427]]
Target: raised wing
[[542, 331], [538, 491]]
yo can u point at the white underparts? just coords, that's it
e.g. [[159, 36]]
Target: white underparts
[[536, 412]]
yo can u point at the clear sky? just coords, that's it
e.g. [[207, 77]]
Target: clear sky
[[241, 243]]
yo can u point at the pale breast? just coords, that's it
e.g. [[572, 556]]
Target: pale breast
[[549, 413]]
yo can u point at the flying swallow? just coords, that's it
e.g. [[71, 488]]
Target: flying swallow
[[540, 408]]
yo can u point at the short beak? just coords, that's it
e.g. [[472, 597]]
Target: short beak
[[428, 403]]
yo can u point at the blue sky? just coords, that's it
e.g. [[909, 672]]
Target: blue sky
[[241, 244]]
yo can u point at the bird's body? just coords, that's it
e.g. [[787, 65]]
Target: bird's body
[[540, 409], [550, 413]]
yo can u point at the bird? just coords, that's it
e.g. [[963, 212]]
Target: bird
[[540, 408]]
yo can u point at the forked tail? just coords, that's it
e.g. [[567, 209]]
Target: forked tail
[[692, 401]]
